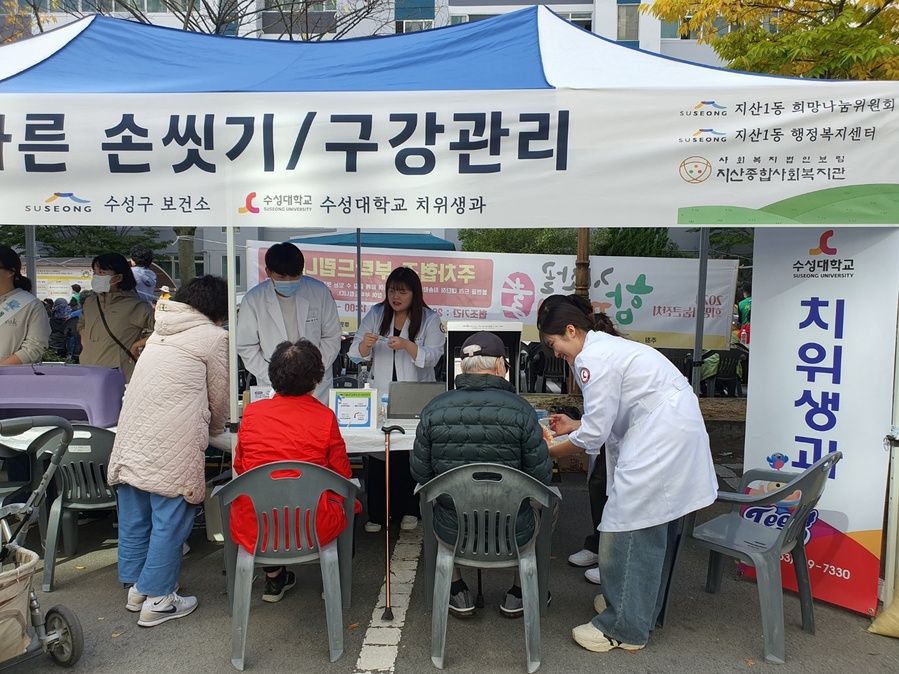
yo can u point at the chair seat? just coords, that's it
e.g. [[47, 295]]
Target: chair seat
[[734, 534]]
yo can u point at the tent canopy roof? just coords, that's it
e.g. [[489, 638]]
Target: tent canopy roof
[[529, 49], [380, 240]]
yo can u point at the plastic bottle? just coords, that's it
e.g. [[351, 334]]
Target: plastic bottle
[[744, 337], [382, 409], [363, 377]]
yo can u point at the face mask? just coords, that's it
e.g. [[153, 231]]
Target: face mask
[[287, 288], [101, 284]]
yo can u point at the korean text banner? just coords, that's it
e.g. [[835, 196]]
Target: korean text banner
[[823, 345], [530, 158], [653, 300]]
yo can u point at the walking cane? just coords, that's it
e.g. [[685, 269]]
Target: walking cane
[[388, 612]]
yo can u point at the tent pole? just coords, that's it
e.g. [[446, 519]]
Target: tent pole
[[891, 563], [31, 254], [232, 325], [358, 278], [700, 307]]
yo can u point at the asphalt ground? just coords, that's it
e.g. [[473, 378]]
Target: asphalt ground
[[704, 633]]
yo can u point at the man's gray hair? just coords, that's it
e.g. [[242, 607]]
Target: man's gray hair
[[478, 364]]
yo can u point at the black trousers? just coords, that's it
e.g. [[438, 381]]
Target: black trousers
[[402, 500], [596, 489]]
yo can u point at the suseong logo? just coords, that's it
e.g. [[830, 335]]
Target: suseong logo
[[823, 245], [706, 109], [705, 136], [248, 206], [70, 204]]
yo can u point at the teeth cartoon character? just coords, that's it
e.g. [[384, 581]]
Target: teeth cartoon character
[[782, 506], [778, 460]]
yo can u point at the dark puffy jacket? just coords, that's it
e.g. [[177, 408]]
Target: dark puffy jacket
[[482, 420]]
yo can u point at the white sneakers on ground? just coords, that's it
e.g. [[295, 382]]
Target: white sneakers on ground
[[372, 527], [157, 610], [583, 558], [408, 523], [593, 575], [593, 640], [136, 599]]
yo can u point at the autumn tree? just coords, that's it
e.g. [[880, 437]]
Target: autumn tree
[[845, 39]]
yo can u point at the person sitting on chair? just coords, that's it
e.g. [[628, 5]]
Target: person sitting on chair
[[481, 421], [291, 426]]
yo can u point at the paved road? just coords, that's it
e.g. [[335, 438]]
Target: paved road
[[705, 633]]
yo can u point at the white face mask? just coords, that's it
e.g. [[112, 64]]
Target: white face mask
[[101, 284]]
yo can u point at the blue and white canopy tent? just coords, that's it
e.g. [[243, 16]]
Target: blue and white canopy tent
[[523, 120]]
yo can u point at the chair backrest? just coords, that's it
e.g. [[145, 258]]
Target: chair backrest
[[285, 496], [487, 498], [793, 510], [81, 476], [345, 382], [728, 363]]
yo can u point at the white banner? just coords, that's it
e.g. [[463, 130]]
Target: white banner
[[652, 299], [534, 158], [823, 346]]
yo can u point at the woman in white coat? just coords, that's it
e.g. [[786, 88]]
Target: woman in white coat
[[404, 339], [659, 465]]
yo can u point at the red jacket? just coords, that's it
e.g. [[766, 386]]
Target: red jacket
[[290, 428]]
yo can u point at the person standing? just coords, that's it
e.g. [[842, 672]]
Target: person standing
[[745, 310], [76, 296], [115, 323], [24, 324], [659, 466], [142, 258], [158, 462], [404, 339], [286, 307]]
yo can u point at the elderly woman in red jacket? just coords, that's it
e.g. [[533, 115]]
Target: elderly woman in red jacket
[[291, 426]]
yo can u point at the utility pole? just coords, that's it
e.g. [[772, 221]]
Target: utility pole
[[581, 285]]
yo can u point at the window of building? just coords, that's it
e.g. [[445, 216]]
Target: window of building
[[299, 18], [236, 269], [414, 26], [628, 21], [169, 265], [672, 29]]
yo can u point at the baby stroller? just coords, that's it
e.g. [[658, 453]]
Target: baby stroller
[[25, 631]]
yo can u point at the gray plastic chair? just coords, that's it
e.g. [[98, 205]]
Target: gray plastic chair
[[487, 498], [291, 502], [81, 485], [761, 546]]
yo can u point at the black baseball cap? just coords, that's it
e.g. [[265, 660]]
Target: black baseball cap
[[484, 344]]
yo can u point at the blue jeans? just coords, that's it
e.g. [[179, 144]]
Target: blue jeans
[[152, 531], [632, 565]]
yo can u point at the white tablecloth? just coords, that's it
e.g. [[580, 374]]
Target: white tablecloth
[[371, 442]]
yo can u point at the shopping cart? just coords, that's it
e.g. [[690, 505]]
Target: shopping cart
[[25, 630]]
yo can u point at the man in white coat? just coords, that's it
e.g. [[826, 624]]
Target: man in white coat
[[286, 307]]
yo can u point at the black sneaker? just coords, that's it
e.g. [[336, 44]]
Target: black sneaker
[[277, 586], [461, 603]]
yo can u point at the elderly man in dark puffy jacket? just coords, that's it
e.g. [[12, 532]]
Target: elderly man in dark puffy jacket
[[482, 420]]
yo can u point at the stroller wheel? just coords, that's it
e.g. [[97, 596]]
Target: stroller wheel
[[67, 650]]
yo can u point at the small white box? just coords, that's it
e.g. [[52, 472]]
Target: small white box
[[355, 408]]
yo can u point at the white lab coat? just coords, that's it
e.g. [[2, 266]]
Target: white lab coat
[[659, 462], [260, 328], [430, 339]]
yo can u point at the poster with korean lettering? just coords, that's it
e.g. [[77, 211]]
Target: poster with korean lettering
[[759, 156], [822, 352], [653, 300]]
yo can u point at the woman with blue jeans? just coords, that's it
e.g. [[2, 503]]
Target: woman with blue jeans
[[158, 460], [658, 462]]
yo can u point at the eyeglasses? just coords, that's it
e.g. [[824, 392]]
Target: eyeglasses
[[398, 291]]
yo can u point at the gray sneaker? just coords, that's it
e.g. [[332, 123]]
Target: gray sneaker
[[157, 610], [461, 604], [513, 606]]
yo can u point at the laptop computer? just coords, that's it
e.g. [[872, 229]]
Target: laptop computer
[[408, 398]]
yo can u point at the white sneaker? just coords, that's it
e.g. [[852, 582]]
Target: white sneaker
[[408, 523], [593, 575], [372, 527], [136, 599], [594, 640], [583, 558], [157, 610]]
